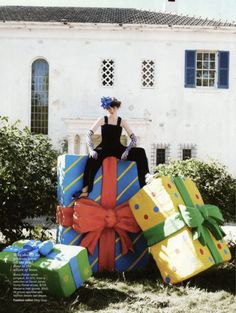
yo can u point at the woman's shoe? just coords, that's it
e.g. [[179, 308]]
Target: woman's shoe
[[79, 194], [148, 178]]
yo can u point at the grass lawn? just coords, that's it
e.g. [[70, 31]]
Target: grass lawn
[[211, 291]]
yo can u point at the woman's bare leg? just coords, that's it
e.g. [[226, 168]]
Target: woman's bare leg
[[84, 192]]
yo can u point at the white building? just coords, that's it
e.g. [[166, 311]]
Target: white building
[[213, 9], [175, 75]]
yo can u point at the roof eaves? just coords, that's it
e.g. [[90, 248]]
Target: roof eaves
[[113, 26]]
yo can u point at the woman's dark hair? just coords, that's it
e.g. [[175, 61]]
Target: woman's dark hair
[[115, 103]]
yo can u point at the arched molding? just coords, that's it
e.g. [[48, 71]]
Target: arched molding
[[80, 126]]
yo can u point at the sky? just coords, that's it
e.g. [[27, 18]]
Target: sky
[[218, 9]]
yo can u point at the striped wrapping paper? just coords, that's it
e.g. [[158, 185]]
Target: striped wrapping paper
[[70, 170], [70, 180]]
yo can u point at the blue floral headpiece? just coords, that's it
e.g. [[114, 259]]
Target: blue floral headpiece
[[106, 102]]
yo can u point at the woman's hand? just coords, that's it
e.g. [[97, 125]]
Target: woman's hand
[[124, 155], [93, 154]]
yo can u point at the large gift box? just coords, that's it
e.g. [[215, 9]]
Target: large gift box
[[62, 269], [70, 171], [183, 233], [103, 222]]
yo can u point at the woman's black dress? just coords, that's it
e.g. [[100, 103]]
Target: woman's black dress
[[111, 146]]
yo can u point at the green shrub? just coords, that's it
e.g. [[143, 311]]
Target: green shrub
[[216, 185], [27, 178]]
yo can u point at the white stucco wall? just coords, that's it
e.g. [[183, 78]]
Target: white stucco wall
[[201, 116]]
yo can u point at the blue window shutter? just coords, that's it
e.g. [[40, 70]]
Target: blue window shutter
[[190, 68], [223, 69]]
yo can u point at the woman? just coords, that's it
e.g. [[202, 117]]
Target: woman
[[111, 129]]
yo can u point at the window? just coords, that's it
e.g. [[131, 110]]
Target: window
[[107, 73], [206, 69], [148, 73], [160, 153], [187, 154], [39, 97], [187, 151], [160, 156]]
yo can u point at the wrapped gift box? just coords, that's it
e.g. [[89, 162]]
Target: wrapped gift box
[[183, 233], [125, 184], [63, 268], [132, 261], [70, 170]]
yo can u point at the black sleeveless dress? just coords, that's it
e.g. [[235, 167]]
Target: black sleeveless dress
[[111, 146]]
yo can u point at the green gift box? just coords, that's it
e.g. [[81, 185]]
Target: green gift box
[[63, 269]]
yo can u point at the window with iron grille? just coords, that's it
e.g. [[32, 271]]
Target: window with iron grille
[[107, 73], [39, 97], [187, 154], [148, 74], [160, 156]]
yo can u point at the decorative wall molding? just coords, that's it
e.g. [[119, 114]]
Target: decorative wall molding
[[77, 129]]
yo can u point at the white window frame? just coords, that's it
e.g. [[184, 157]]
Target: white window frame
[[216, 69]]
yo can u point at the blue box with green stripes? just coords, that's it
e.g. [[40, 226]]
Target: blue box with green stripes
[[70, 170], [70, 180]]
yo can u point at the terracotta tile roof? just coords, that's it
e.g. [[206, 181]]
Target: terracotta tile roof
[[101, 15]]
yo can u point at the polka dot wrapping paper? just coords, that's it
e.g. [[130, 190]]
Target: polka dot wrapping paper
[[183, 233], [64, 268]]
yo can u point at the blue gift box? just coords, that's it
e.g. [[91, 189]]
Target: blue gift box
[[70, 171], [70, 180]]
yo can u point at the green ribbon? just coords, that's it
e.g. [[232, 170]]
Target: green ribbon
[[202, 221]]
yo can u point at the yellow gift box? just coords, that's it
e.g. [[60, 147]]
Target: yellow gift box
[[182, 232]]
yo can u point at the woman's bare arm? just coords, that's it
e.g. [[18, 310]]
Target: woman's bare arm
[[89, 139], [99, 122], [133, 138], [125, 125]]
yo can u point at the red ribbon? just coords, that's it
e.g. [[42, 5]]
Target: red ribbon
[[64, 215], [101, 222]]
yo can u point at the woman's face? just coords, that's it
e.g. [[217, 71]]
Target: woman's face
[[112, 110]]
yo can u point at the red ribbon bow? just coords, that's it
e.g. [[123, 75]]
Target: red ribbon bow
[[64, 215], [101, 222]]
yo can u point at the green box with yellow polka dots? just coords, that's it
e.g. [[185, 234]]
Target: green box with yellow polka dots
[[59, 273]]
